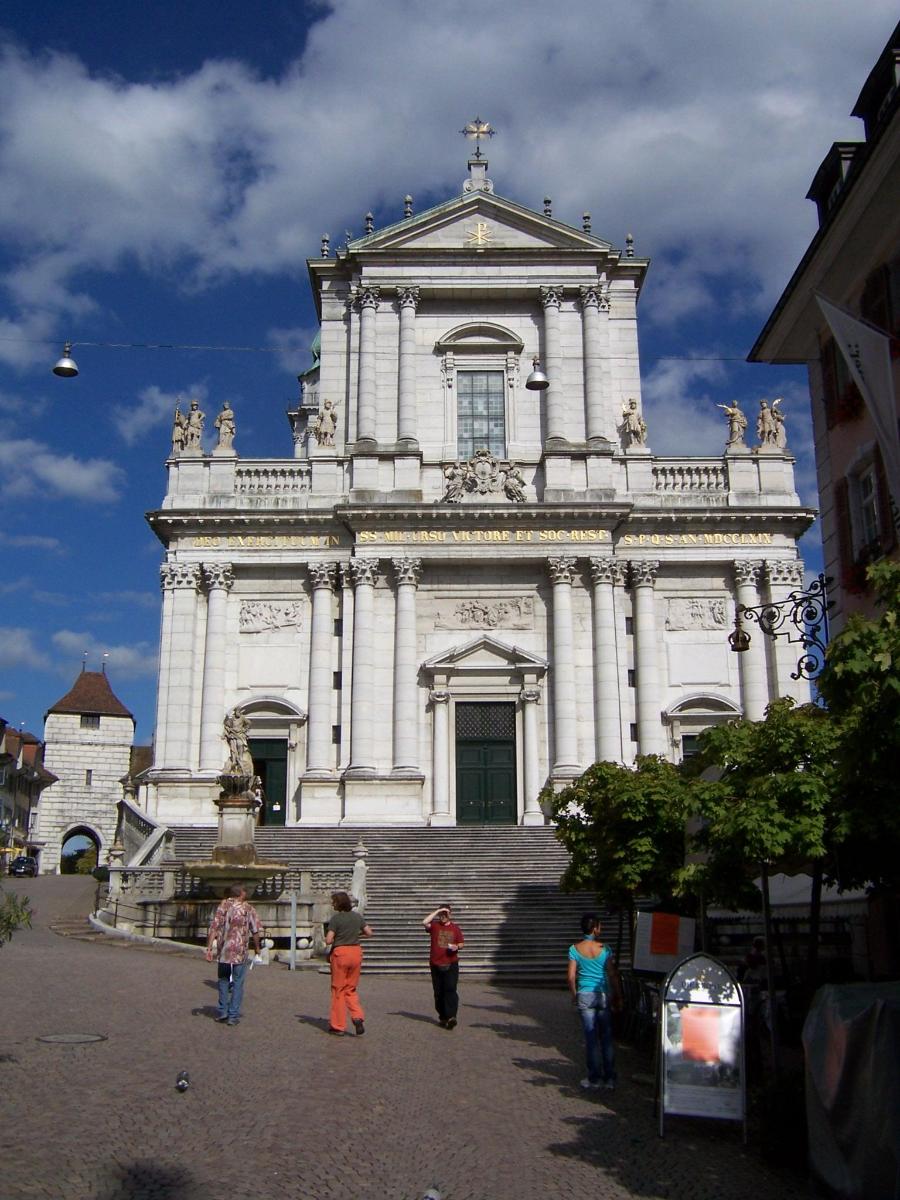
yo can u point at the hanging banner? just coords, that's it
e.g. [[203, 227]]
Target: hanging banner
[[661, 940]]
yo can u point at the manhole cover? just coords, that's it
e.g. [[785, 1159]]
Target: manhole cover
[[72, 1039]]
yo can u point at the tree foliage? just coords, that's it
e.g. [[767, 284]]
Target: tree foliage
[[15, 913], [623, 828], [775, 803], [860, 683]]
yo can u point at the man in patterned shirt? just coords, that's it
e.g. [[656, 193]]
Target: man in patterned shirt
[[231, 930]]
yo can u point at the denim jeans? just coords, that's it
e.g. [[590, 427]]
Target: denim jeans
[[231, 988], [596, 1021]]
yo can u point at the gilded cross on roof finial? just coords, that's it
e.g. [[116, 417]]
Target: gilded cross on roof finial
[[475, 131]]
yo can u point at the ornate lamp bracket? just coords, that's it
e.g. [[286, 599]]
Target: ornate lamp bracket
[[801, 617]]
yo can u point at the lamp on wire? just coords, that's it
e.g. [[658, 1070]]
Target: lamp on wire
[[537, 381], [66, 367]]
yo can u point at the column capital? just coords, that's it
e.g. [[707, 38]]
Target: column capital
[[643, 572], [594, 295], [530, 695], [439, 696], [551, 295], [322, 574], [408, 297], [747, 571], [218, 575], [784, 573], [176, 576], [363, 571], [561, 569], [407, 570], [366, 295], [607, 570]]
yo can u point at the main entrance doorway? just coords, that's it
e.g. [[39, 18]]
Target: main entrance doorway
[[486, 764], [270, 764]]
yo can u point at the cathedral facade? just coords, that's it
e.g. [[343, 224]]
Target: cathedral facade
[[473, 576]]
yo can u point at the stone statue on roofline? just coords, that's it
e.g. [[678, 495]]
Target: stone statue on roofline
[[224, 423], [737, 425], [194, 430], [179, 431], [633, 427]]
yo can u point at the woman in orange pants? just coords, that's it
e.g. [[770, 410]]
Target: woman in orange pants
[[345, 929]]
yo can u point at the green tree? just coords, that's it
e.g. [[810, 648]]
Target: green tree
[[15, 913], [860, 683], [623, 829]]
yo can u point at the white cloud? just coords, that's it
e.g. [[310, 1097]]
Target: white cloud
[[29, 467], [293, 347], [125, 662], [697, 128], [154, 408], [31, 541], [676, 398], [17, 649]]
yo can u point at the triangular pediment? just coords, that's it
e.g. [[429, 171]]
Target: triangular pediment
[[485, 653], [478, 221]]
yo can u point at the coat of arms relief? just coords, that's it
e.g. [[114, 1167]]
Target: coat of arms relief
[[483, 475]]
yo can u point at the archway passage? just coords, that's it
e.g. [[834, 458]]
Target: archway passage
[[486, 764], [80, 852]]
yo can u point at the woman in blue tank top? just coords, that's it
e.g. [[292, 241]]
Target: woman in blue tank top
[[597, 993]]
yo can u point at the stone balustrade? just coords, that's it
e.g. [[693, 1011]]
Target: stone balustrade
[[694, 476], [284, 479]]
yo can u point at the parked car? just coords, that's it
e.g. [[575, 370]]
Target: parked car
[[23, 865]]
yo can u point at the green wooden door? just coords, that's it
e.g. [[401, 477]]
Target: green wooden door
[[486, 764], [270, 764]]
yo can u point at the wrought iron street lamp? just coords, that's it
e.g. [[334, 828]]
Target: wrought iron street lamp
[[801, 617]]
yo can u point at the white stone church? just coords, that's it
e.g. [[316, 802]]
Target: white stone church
[[461, 587]]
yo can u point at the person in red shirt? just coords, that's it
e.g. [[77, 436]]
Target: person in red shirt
[[446, 942]]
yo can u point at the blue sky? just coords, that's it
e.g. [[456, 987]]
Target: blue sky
[[166, 169]]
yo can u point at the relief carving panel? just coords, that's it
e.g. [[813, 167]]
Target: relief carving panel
[[511, 612], [696, 612]]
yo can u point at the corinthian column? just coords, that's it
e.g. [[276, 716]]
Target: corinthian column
[[362, 694], [649, 698], [440, 757], [530, 698], [408, 300], [406, 707], [551, 298], [605, 574], [754, 686], [782, 578], [180, 583], [318, 727], [367, 300], [594, 336], [564, 712], [218, 578]]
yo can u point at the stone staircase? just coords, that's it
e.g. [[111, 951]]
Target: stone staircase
[[502, 881]]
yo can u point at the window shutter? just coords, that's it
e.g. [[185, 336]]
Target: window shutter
[[843, 529], [887, 531]]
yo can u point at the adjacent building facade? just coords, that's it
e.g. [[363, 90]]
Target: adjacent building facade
[[23, 778], [459, 586], [854, 262], [88, 736]]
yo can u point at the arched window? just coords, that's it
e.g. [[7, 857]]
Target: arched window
[[480, 369]]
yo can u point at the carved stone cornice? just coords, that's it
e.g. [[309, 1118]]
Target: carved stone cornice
[[551, 295], [439, 696], [363, 571], [562, 570], [322, 574], [218, 575], [607, 570], [643, 572], [747, 571], [530, 695], [366, 295], [408, 297], [784, 573], [594, 295], [175, 576], [407, 570]]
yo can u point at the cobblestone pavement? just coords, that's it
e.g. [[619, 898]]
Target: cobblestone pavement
[[276, 1108]]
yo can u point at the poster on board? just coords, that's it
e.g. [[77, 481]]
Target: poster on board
[[661, 940]]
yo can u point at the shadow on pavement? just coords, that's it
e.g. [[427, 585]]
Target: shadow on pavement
[[147, 1181]]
